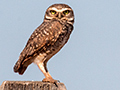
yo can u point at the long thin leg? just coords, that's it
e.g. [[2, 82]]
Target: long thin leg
[[48, 77]]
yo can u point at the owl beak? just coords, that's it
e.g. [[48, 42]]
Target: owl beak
[[59, 15]]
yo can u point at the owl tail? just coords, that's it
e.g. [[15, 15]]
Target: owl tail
[[19, 68]]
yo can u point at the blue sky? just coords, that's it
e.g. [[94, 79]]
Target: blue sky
[[91, 58]]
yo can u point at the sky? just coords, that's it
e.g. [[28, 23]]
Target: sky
[[91, 58]]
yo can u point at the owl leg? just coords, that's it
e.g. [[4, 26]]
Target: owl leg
[[48, 77]]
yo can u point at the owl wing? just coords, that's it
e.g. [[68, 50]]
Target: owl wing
[[46, 33]]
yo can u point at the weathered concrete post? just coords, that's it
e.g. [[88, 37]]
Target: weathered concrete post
[[31, 85]]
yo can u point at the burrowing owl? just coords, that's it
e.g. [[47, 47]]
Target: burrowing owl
[[47, 39]]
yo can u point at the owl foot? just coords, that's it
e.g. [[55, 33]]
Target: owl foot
[[51, 80]]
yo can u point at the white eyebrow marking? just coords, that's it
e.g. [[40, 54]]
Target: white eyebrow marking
[[48, 17], [61, 10], [72, 18]]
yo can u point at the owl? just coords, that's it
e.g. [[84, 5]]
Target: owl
[[47, 40]]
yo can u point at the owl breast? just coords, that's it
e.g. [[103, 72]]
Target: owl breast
[[60, 33], [64, 31]]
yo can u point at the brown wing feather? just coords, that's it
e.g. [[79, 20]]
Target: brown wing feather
[[47, 31]]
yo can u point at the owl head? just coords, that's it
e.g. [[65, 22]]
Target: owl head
[[60, 12]]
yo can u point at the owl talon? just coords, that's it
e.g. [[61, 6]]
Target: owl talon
[[51, 80], [58, 81], [56, 84]]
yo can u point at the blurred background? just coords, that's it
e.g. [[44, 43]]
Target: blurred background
[[91, 58]]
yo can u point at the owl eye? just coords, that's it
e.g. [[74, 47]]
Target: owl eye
[[53, 12], [66, 12]]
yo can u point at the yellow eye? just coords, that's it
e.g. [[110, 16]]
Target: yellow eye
[[66, 12], [52, 12]]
